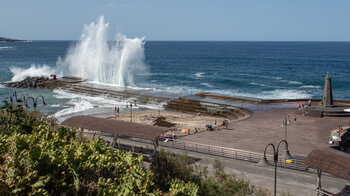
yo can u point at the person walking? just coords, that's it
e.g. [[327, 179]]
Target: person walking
[[295, 118]]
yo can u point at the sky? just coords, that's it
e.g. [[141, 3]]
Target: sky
[[197, 20]]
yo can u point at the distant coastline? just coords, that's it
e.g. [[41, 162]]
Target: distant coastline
[[3, 39]]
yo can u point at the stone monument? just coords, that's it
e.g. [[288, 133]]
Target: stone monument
[[327, 93], [326, 107]]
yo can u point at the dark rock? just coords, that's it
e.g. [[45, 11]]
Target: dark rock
[[29, 82]]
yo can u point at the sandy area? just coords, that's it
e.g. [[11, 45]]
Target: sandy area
[[182, 120]]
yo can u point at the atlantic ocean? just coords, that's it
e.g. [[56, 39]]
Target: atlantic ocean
[[263, 70]]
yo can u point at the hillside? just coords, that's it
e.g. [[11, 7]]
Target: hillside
[[3, 39]]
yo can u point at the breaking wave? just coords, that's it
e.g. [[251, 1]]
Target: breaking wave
[[33, 71], [98, 60]]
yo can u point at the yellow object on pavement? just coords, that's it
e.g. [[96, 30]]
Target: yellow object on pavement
[[289, 161], [184, 130]]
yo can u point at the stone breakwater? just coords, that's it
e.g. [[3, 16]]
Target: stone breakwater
[[29, 82], [43, 82]]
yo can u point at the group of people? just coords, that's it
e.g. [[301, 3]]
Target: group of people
[[116, 110], [223, 124], [301, 106]]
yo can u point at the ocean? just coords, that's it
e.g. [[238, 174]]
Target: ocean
[[263, 70]]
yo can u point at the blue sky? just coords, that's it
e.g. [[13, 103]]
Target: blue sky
[[233, 20]]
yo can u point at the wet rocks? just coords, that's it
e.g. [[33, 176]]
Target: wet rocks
[[29, 82]]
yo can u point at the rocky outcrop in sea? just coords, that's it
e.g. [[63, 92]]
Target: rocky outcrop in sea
[[29, 82]]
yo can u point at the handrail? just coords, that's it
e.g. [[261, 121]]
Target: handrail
[[215, 151]]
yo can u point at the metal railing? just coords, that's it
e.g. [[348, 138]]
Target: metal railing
[[224, 152], [233, 154]]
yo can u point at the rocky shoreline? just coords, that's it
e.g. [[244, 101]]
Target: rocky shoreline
[[43, 82], [29, 82]]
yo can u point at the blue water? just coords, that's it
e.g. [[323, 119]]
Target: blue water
[[265, 70]]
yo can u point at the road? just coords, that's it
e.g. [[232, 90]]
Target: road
[[289, 181]]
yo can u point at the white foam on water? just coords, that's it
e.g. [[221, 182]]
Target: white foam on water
[[78, 106], [199, 74], [101, 101], [275, 94], [181, 89], [2, 86], [80, 103], [285, 94], [244, 74], [295, 82], [101, 85], [261, 76], [258, 84], [98, 60], [54, 105], [207, 85], [7, 48], [33, 71], [270, 77], [310, 86], [292, 82]]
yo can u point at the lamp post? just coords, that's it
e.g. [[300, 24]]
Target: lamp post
[[285, 122], [286, 156], [129, 105]]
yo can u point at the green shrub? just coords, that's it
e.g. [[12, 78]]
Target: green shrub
[[181, 188], [167, 166], [36, 158]]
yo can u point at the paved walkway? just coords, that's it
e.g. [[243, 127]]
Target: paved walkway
[[264, 127]]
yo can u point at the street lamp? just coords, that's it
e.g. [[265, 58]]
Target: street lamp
[[129, 105], [284, 124], [286, 156]]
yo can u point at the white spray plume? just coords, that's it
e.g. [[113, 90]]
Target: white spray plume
[[98, 60], [34, 71]]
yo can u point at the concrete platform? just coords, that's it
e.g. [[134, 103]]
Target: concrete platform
[[316, 110]]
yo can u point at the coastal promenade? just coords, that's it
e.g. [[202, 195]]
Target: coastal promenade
[[249, 135], [290, 181]]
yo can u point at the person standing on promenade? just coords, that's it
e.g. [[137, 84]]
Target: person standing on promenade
[[295, 118]]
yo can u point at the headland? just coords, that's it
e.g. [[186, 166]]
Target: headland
[[3, 39]]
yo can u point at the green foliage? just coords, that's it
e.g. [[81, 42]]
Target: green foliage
[[45, 160], [196, 180], [181, 188], [167, 166], [221, 183], [14, 119]]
